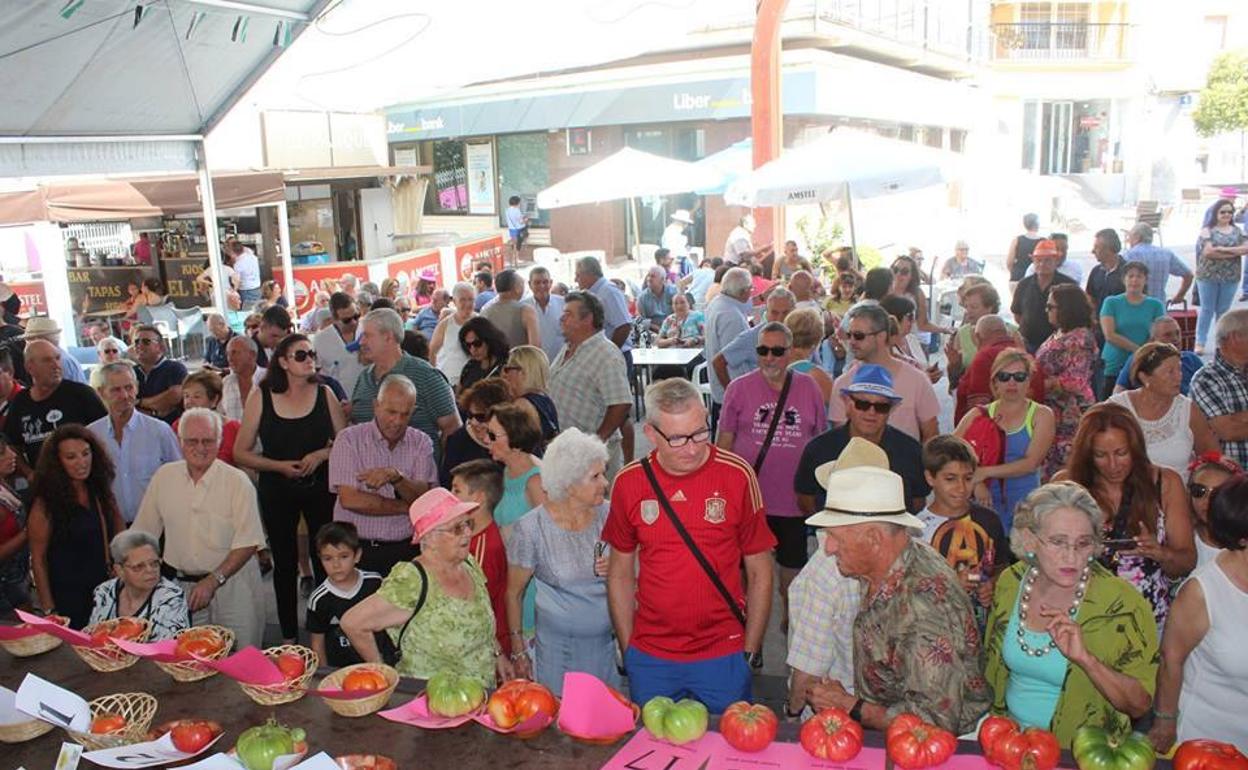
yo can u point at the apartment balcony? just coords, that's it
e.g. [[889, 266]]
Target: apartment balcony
[[1060, 42]]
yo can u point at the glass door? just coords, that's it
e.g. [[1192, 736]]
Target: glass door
[[1055, 152]]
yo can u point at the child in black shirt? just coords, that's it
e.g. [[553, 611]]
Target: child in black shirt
[[338, 548]]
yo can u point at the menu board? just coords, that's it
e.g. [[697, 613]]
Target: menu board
[[93, 289], [180, 277]]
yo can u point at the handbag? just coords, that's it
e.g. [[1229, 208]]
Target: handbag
[[737, 612], [392, 651], [775, 422]]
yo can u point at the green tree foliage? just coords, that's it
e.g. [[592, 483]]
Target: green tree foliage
[[1224, 101]]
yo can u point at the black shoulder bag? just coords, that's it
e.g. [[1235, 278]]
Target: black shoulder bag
[[392, 651], [693, 548], [775, 422]]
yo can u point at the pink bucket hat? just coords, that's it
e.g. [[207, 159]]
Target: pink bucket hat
[[433, 509]]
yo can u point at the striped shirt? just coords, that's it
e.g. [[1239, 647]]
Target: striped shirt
[[434, 397], [361, 448], [822, 606], [680, 614]]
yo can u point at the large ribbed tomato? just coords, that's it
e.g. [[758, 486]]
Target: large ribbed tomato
[[831, 734], [1208, 755], [912, 743], [748, 727]]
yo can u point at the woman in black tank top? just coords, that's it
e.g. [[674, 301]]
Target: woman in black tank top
[[296, 419], [1019, 257]]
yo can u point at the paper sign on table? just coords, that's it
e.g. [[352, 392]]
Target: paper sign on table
[[9, 714], [57, 630], [164, 651], [249, 666], [318, 761], [229, 762], [43, 700], [591, 710], [67, 759], [416, 712], [148, 754], [712, 752]]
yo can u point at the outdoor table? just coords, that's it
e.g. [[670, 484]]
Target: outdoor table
[[645, 359], [219, 698]]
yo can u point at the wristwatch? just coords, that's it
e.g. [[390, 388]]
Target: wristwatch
[[855, 712], [754, 659], [791, 714], [219, 578]]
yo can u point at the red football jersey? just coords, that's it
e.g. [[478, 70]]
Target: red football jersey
[[680, 615], [487, 548]]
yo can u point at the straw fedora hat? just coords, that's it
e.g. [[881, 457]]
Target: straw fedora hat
[[40, 326], [864, 495], [682, 215], [857, 453]]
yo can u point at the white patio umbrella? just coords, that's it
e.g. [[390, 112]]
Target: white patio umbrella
[[628, 173], [842, 164]]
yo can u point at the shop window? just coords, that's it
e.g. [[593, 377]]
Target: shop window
[[523, 169], [449, 193]]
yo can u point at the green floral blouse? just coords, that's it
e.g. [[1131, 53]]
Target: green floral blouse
[[449, 635], [1118, 628]]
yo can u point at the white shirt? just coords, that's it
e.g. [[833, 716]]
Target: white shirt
[[248, 268], [739, 241], [675, 240], [231, 399], [548, 323], [334, 358]]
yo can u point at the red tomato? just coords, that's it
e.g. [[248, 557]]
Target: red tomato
[[363, 680], [992, 731], [1032, 749], [199, 641], [748, 727], [108, 723], [1208, 755], [519, 700], [192, 735], [127, 628], [831, 734], [291, 665], [912, 743]]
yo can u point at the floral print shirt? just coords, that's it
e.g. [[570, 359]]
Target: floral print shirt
[[1222, 270], [916, 644], [1070, 357]]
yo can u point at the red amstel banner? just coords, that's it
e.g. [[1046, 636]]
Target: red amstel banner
[[309, 279], [34, 297], [408, 269], [469, 255]]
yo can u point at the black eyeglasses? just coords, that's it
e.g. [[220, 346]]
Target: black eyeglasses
[[776, 351], [141, 341], [676, 442], [1197, 491], [303, 355], [350, 319], [474, 343], [1016, 376], [860, 336], [901, 271], [863, 405], [1227, 211]]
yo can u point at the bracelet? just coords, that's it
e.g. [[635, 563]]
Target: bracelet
[[1165, 715], [517, 655]]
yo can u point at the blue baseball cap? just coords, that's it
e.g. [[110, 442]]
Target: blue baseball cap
[[872, 380]]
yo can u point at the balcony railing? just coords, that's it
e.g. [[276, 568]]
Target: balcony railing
[[1046, 41]]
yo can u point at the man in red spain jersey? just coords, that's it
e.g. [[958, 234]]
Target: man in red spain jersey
[[678, 633]]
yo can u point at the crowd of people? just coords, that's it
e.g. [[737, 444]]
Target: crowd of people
[[453, 477]]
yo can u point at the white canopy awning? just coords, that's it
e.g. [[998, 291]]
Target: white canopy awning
[[844, 161], [628, 173]]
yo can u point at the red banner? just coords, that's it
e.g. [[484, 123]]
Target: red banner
[[407, 270], [34, 298], [309, 279], [469, 255]]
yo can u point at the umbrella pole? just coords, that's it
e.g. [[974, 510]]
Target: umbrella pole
[[853, 234], [632, 206]]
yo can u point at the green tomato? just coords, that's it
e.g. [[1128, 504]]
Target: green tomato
[[258, 746], [676, 722], [451, 695], [1095, 749]]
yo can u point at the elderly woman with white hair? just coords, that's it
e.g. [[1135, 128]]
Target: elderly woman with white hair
[[1068, 644], [445, 352], [139, 590], [558, 546]]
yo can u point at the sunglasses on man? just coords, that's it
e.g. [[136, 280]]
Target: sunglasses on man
[[863, 405], [775, 351]]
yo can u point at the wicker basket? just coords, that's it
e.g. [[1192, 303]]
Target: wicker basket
[[20, 732], [284, 692], [192, 670], [36, 644], [360, 707], [110, 657], [137, 708]]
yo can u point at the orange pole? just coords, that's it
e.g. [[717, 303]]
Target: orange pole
[[766, 117]]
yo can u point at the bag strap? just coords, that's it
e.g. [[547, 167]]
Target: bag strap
[[420, 602], [775, 421], [693, 548]]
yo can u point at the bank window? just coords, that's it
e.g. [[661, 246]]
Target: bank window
[[449, 193]]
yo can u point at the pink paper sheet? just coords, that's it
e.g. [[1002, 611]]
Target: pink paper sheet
[[645, 752], [9, 633], [416, 712], [55, 629], [162, 651], [532, 724], [249, 666], [590, 710]]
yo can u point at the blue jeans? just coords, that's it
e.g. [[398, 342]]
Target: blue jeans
[[716, 682], [1215, 299], [248, 296]]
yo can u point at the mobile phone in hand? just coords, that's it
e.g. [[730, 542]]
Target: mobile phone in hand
[[1120, 544]]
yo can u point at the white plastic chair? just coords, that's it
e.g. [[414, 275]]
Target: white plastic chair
[[702, 379]]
